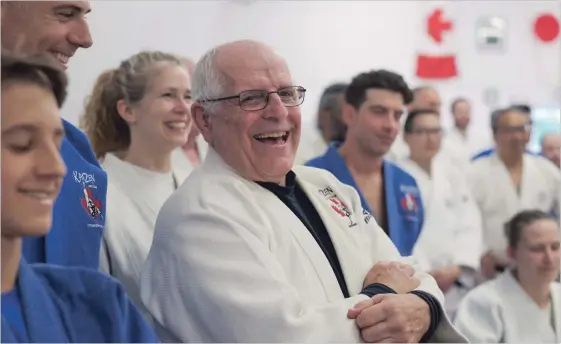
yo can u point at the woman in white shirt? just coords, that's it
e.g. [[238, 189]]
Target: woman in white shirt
[[136, 116], [523, 304]]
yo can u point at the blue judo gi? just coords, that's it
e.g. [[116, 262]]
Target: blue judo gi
[[54, 304], [405, 212], [79, 211]]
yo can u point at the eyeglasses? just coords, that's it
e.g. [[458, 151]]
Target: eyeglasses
[[526, 128], [427, 131], [254, 100]]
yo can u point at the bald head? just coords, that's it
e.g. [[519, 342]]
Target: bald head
[[224, 66], [551, 147], [425, 98], [235, 60]]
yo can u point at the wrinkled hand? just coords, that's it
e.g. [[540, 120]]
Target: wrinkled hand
[[391, 318], [397, 276], [488, 263], [446, 277]]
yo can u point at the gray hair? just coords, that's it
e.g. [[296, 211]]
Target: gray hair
[[207, 81]]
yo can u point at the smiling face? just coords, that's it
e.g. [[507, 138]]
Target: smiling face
[[56, 27], [32, 168], [163, 115], [259, 144]]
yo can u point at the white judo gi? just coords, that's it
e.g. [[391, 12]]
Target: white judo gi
[[500, 311], [134, 198], [467, 146], [231, 263], [451, 234], [498, 200]]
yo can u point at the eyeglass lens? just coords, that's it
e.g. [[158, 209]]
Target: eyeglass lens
[[257, 100]]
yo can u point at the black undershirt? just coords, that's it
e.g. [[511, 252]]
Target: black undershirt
[[298, 202]]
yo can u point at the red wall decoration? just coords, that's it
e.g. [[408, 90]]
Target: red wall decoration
[[546, 27], [436, 66]]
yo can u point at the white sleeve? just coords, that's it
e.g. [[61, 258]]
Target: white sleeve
[[383, 249], [478, 320], [213, 278]]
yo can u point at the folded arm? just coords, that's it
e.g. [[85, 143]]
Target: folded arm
[[213, 279]]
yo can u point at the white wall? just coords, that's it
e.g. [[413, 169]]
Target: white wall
[[326, 41]]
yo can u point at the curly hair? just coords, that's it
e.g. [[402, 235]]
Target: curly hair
[[355, 94], [106, 129]]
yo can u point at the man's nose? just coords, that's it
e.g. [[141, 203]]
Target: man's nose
[[80, 35]]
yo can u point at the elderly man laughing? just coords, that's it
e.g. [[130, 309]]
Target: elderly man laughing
[[250, 249]]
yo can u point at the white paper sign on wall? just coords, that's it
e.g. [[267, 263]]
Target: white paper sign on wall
[[491, 34]]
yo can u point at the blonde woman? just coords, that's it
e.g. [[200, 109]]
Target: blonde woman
[[137, 115]]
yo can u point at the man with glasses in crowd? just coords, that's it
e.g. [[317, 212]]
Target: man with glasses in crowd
[[526, 110], [250, 249], [508, 181]]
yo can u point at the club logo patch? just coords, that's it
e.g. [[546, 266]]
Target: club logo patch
[[338, 206], [91, 205]]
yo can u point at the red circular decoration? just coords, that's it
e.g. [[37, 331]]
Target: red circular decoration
[[546, 27]]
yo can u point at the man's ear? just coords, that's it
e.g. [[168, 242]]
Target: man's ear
[[201, 119], [348, 114], [510, 253], [125, 111]]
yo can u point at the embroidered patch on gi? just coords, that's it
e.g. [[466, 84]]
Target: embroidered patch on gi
[[409, 204], [338, 206], [88, 199], [367, 216]]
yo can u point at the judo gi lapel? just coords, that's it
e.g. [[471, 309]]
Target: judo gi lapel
[[528, 182], [337, 166], [339, 220], [45, 323], [392, 215], [7, 334], [510, 196], [515, 295], [285, 219]]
